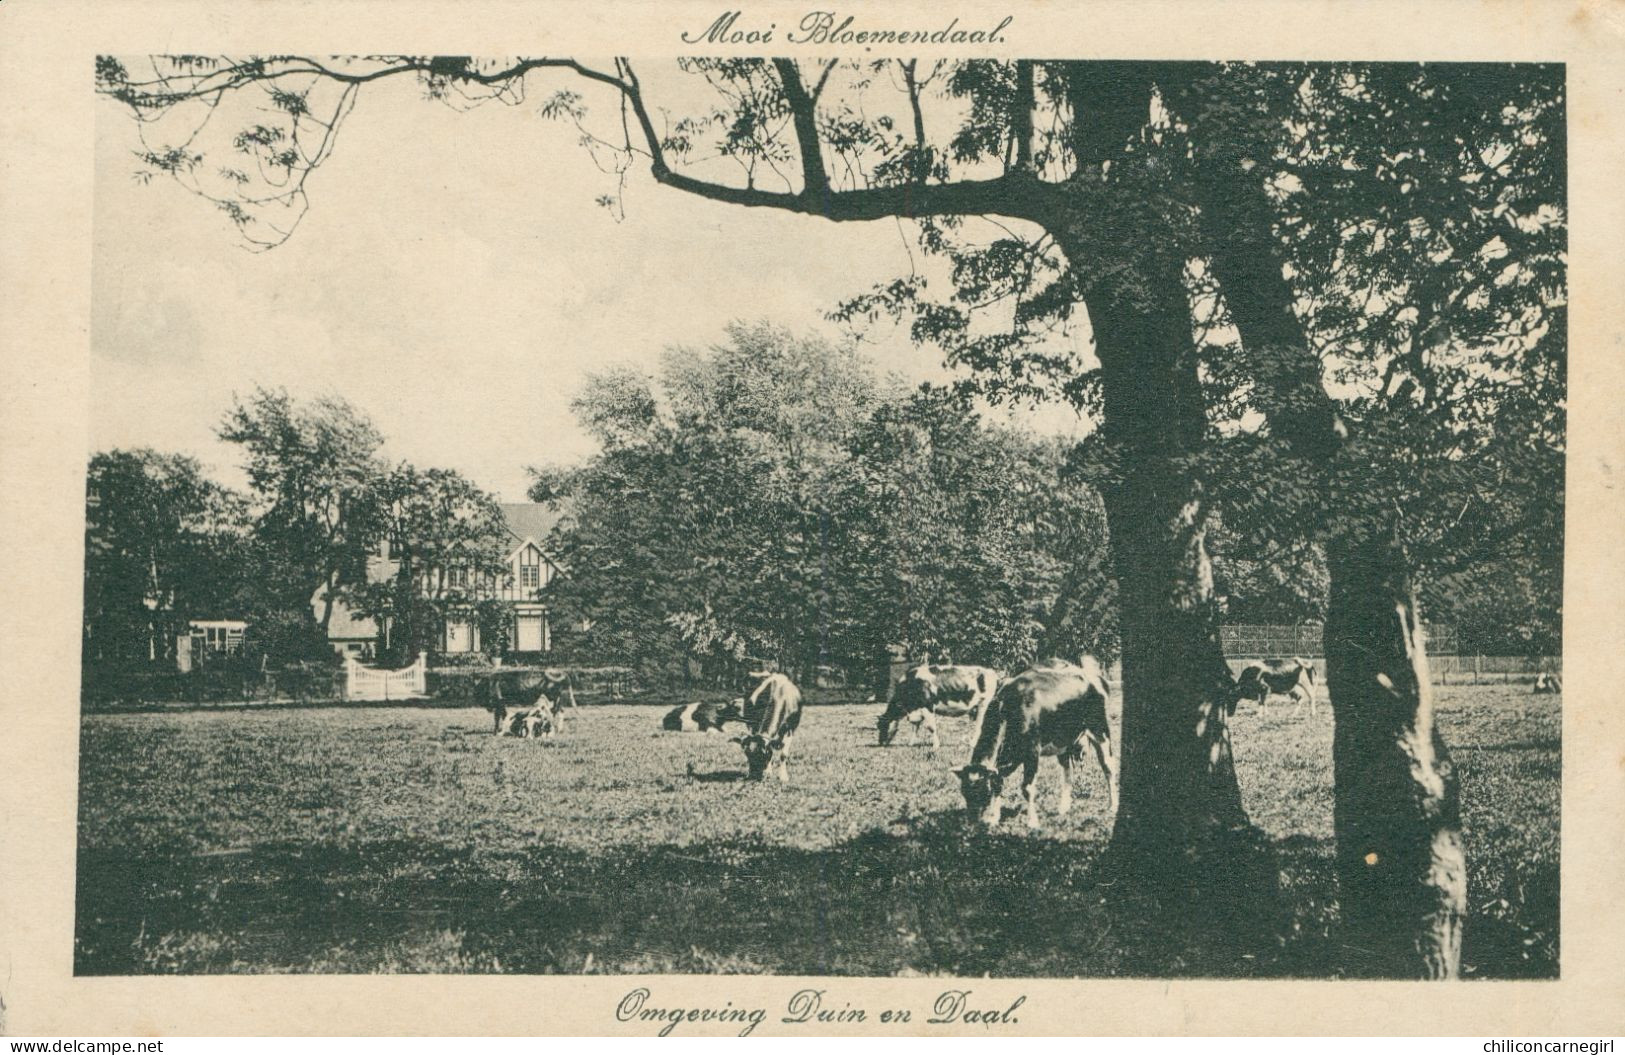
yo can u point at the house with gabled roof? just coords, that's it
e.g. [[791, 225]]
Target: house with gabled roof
[[529, 570]]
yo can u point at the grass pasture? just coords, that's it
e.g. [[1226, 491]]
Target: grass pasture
[[409, 839]]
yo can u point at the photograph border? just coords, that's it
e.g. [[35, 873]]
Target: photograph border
[[47, 49]]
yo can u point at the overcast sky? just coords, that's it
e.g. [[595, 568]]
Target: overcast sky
[[454, 279]]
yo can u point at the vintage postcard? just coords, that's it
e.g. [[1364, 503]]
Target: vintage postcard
[[982, 520]]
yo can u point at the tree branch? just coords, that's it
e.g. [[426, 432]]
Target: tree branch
[[814, 182], [1021, 119]]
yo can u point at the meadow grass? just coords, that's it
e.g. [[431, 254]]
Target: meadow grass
[[390, 839]]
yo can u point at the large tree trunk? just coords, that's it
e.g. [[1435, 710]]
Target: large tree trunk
[[1401, 865], [1179, 798], [1401, 862]]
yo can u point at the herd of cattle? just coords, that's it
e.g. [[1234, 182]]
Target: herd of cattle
[[1055, 707]]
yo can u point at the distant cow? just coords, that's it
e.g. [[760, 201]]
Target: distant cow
[[927, 691], [508, 690], [772, 713], [1054, 708], [1292, 678], [702, 717], [1548, 683]]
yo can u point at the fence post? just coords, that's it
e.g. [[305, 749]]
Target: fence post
[[1478, 662]]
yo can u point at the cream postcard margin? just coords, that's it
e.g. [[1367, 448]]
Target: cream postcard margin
[[46, 136]]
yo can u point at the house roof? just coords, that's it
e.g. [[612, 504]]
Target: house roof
[[530, 520]]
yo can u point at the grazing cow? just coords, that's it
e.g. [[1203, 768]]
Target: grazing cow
[[927, 691], [772, 713], [1292, 678], [522, 690], [1054, 708], [1548, 683], [702, 717]]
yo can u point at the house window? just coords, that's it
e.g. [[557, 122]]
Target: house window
[[530, 632], [218, 638], [459, 635], [530, 576], [457, 578]]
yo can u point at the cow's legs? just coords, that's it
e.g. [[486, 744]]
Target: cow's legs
[[931, 720], [1029, 790], [1066, 759], [784, 763], [1103, 752]]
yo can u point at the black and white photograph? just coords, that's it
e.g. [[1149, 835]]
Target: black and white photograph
[[841, 496], [1053, 518]]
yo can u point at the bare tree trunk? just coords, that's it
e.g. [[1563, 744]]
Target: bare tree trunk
[[1401, 865], [1401, 861]]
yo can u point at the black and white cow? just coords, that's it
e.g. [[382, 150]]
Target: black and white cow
[[926, 692], [532, 722], [772, 713], [1292, 678], [510, 690], [702, 717], [1054, 708]]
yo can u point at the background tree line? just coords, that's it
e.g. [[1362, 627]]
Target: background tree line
[[164, 544]]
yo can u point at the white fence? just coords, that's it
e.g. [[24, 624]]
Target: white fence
[[1453, 670], [362, 682], [1490, 670], [1264, 641]]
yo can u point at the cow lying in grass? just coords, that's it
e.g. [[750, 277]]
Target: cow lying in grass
[[772, 713], [1055, 708], [532, 722], [702, 717]]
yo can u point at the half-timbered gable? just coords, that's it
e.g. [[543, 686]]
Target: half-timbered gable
[[529, 569]]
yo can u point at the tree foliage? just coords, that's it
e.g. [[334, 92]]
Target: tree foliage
[[1419, 212], [312, 469], [163, 545], [325, 519], [446, 545], [770, 499]]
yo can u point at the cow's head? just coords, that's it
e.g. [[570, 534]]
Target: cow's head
[[760, 752], [981, 787], [1248, 685], [908, 696]]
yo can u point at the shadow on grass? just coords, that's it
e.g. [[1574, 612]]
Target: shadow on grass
[[720, 776], [928, 896]]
